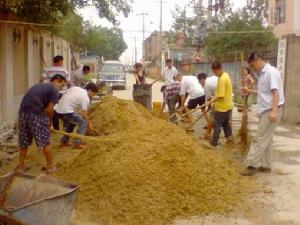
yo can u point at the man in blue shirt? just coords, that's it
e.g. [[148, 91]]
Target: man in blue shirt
[[35, 114]]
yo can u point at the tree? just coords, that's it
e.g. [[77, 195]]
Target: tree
[[241, 39], [257, 9], [72, 30], [37, 11], [105, 42], [52, 11], [185, 24], [108, 9]]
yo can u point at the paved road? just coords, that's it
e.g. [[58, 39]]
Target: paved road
[[127, 94]]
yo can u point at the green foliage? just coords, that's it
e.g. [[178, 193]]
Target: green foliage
[[72, 30], [183, 23], [37, 11], [52, 11], [108, 9], [218, 44], [104, 42], [257, 9]]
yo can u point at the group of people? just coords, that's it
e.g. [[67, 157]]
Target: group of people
[[56, 97], [213, 95]]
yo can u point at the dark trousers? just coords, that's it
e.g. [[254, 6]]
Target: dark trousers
[[172, 101], [70, 121], [222, 120], [55, 119]]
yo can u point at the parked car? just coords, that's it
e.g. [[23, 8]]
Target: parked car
[[113, 73]]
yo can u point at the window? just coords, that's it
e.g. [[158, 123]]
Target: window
[[280, 11]]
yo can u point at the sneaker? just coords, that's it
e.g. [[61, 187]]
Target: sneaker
[[49, 170], [249, 171], [210, 146], [21, 169], [78, 146], [264, 170], [65, 144]]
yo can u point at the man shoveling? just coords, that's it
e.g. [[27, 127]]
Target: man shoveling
[[72, 109]]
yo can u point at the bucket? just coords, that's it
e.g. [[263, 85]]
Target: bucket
[[156, 106], [142, 94], [34, 200]]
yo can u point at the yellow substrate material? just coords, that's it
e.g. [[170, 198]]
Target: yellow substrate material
[[144, 170]]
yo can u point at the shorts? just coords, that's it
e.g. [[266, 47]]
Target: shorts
[[193, 103], [33, 126]]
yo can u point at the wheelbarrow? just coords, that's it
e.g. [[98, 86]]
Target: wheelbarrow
[[35, 200]]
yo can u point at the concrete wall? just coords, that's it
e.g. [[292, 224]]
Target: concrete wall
[[292, 81], [297, 17], [24, 53]]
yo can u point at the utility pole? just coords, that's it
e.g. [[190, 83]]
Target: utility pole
[[160, 34], [134, 52], [143, 17], [199, 12], [209, 15], [132, 56], [184, 26]]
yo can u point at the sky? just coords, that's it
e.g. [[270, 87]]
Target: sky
[[132, 25]]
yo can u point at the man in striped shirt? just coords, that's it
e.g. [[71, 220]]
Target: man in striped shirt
[[56, 68], [171, 97]]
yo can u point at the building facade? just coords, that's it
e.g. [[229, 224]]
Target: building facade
[[152, 47], [24, 53], [284, 17]]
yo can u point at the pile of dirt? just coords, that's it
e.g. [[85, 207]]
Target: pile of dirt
[[145, 170]]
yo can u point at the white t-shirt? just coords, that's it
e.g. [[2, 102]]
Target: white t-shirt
[[169, 74], [191, 85], [74, 99], [210, 86], [269, 79]]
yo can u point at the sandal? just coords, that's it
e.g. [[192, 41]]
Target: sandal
[[68, 144], [190, 130], [205, 137], [53, 169], [22, 169]]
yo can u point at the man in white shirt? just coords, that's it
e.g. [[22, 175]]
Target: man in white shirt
[[75, 100], [270, 100], [168, 74], [209, 90], [191, 87]]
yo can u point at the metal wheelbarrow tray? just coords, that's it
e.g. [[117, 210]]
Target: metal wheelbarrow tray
[[35, 200]]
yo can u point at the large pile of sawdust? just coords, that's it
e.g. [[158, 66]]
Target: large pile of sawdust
[[148, 171]]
